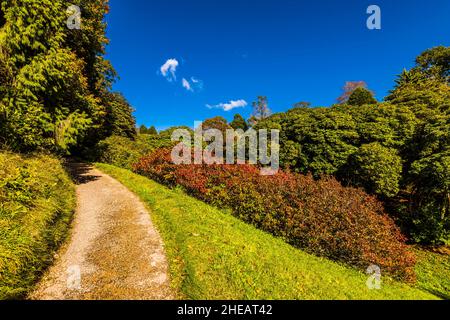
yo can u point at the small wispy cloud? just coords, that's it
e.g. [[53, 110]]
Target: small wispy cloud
[[168, 69], [187, 85], [197, 84], [233, 104]]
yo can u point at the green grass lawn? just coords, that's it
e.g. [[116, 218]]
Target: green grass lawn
[[433, 272], [213, 255]]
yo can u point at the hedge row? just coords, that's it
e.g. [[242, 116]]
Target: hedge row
[[321, 217]]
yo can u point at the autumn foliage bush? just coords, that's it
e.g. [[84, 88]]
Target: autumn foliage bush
[[319, 216]]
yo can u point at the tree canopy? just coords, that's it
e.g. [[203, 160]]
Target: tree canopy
[[398, 149], [361, 96], [55, 87], [239, 123]]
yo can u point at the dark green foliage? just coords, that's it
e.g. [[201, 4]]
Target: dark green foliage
[[428, 219], [119, 119], [397, 150], [376, 168], [54, 92], [349, 88], [239, 123], [324, 138], [360, 97], [425, 91], [435, 63], [144, 130]]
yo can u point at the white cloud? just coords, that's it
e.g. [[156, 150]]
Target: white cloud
[[229, 106], [187, 85], [169, 69]]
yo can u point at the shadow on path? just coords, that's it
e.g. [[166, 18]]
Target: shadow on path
[[80, 172]]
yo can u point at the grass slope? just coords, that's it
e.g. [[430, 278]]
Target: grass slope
[[213, 255], [37, 199], [433, 272]]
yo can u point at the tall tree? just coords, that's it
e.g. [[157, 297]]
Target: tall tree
[[349, 88], [219, 123], [56, 93], [361, 96], [435, 63], [152, 130], [302, 104], [143, 129], [119, 120], [239, 123], [261, 110]]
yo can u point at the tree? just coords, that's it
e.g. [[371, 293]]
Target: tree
[[56, 92], [89, 44], [119, 120], [239, 123], [302, 104], [428, 219], [377, 169], [152, 130], [261, 109], [326, 137], [219, 123], [361, 96], [143, 129], [435, 63], [425, 91], [348, 89]]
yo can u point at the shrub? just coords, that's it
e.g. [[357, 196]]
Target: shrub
[[37, 200], [124, 152], [321, 217]]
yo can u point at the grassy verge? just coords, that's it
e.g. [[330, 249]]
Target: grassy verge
[[37, 199], [213, 255], [433, 272]]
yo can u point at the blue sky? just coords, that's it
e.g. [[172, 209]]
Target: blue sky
[[235, 50]]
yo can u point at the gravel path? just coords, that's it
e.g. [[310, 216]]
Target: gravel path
[[114, 251]]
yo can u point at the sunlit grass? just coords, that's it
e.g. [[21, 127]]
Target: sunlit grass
[[213, 255], [37, 199], [433, 272]]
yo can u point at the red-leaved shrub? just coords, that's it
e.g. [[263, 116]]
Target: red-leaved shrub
[[321, 217]]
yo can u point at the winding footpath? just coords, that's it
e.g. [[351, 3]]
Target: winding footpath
[[113, 251]]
